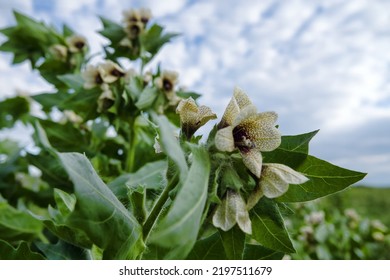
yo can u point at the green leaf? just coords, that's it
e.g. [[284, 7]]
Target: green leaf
[[12, 110], [233, 242], [22, 252], [65, 202], [257, 252], [268, 226], [181, 224], [99, 213], [324, 179], [297, 143], [170, 145], [154, 39], [188, 94], [112, 31], [50, 100], [73, 81], [150, 176], [210, 248], [62, 251], [146, 98], [16, 224]]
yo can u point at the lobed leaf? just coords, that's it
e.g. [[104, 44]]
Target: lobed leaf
[[21, 252]]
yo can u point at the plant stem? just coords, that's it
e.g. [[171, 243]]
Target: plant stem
[[131, 150], [157, 208]]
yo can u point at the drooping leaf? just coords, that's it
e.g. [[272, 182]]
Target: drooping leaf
[[99, 213], [324, 179], [181, 224], [21, 252], [268, 226]]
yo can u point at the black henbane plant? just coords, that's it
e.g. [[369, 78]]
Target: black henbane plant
[[112, 180]]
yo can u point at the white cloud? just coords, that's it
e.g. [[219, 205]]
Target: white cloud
[[319, 64]]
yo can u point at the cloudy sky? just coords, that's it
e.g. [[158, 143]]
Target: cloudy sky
[[320, 64]]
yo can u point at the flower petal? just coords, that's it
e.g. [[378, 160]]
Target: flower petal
[[232, 210], [246, 113], [262, 131], [253, 161], [275, 179], [239, 101], [224, 140]]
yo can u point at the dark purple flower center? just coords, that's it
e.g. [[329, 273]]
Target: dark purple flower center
[[167, 85], [242, 140]]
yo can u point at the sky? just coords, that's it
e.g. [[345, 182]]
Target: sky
[[320, 64]]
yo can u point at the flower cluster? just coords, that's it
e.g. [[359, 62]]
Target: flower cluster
[[244, 129], [135, 21], [73, 44], [102, 75]]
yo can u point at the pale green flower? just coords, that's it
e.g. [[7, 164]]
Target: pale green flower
[[106, 99], [193, 117], [59, 52], [243, 128], [274, 182], [232, 211]]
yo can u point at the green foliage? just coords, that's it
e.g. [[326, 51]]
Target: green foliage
[[110, 179], [337, 233]]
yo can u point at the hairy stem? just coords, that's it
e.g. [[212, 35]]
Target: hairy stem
[[131, 150]]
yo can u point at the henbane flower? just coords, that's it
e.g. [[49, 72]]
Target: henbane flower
[[243, 128], [110, 71], [167, 82], [92, 77], [76, 43], [193, 117], [274, 182]]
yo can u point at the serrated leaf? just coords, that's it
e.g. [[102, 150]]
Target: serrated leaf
[[324, 179], [181, 224], [21, 252], [268, 227], [233, 242], [99, 213]]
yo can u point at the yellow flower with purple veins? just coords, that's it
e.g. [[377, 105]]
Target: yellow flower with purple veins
[[243, 128], [193, 117]]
